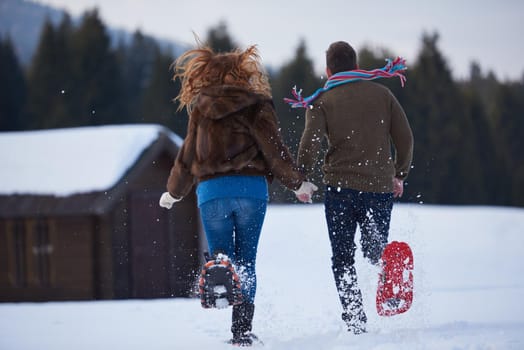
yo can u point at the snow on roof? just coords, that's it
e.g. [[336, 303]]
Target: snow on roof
[[62, 162]]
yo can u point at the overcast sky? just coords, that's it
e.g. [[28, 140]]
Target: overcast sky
[[487, 31]]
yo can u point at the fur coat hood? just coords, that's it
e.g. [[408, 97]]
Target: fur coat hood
[[217, 102]]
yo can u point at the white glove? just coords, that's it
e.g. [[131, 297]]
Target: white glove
[[305, 192], [167, 200]]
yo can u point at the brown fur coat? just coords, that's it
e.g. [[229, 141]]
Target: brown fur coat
[[232, 131]]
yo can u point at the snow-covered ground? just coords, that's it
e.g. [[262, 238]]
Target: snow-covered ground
[[469, 293]]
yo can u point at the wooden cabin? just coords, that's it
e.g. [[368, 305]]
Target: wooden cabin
[[80, 220]]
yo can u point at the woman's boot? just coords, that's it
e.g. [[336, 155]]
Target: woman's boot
[[242, 321]]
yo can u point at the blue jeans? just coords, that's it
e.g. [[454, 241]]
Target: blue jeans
[[233, 227], [344, 210]]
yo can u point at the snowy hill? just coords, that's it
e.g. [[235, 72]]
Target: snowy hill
[[23, 20], [468, 293]]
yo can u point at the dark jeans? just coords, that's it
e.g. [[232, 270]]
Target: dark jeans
[[345, 209], [233, 227]]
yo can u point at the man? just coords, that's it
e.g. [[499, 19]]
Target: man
[[361, 121]]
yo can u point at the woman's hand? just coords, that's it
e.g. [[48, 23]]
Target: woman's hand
[[305, 192], [167, 200]]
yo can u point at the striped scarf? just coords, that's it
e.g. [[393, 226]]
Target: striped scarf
[[392, 69]]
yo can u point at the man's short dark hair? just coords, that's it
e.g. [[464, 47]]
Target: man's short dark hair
[[341, 57]]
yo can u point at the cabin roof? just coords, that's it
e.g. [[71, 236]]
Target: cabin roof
[[78, 170], [64, 162]]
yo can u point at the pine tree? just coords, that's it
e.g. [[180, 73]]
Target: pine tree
[[50, 78], [508, 129], [219, 40], [97, 95], [372, 58], [445, 168], [298, 72], [137, 63], [158, 104], [13, 88], [479, 95]]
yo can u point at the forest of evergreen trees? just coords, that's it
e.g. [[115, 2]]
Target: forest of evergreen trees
[[468, 134]]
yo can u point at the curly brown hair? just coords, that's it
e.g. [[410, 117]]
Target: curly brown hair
[[202, 67]]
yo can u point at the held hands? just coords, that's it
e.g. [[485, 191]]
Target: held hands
[[305, 192], [167, 200]]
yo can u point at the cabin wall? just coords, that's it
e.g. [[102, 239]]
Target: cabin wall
[[111, 245], [103, 257], [46, 259], [167, 239]]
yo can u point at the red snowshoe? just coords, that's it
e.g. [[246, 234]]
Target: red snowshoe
[[395, 284]]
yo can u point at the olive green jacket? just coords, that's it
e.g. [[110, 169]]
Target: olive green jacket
[[361, 121]]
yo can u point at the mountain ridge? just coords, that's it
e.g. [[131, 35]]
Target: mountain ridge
[[22, 21]]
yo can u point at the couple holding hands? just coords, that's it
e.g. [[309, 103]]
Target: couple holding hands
[[233, 148]]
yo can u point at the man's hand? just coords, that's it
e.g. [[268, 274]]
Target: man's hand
[[398, 187], [305, 192], [167, 200]]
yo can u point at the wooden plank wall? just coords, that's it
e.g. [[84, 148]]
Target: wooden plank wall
[[46, 259]]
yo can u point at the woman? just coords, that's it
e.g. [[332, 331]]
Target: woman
[[232, 149]]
